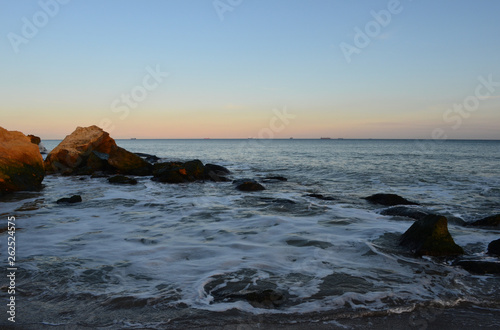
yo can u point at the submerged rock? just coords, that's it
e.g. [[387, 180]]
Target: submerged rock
[[491, 221], [149, 158], [248, 185], [494, 248], [389, 200], [479, 267], [403, 211], [322, 197], [21, 164], [70, 200], [121, 179], [89, 149], [430, 236], [216, 173], [271, 179]]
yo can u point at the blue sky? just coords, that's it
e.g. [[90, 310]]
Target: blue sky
[[228, 77]]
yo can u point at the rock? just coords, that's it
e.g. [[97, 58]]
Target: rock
[[21, 164], [274, 179], [217, 169], [479, 266], [176, 172], [121, 179], [403, 211], [322, 197], [494, 248], [70, 200], [491, 221], [389, 200], [36, 140], [248, 185], [430, 236], [149, 158], [89, 149]]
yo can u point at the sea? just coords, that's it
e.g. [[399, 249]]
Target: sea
[[204, 255]]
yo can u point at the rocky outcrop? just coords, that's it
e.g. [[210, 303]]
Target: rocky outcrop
[[494, 248], [491, 221], [389, 200], [90, 149], [248, 185], [430, 236], [21, 164]]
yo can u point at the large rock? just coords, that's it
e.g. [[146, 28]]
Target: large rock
[[404, 211], [491, 221], [21, 164], [90, 149], [177, 172], [248, 185], [494, 248], [389, 200], [430, 236]]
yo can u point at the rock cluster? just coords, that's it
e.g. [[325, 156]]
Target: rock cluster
[[21, 164]]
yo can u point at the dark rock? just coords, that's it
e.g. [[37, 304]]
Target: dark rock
[[121, 179], [176, 172], [34, 139], [322, 197], [70, 200], [274, 179], [494, 248], [217, 169], [21, 164], [248, 185], [389, 200], [403, 211], [491, 221], [479, 266], [149, 158], [430, 236]]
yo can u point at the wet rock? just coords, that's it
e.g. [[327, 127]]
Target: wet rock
[[389, 200], [479, 267], [248, 185], [494, 248], [176, 172], [149, 158], [21, 164], [89, 149], [430, 236], [491, 221], [121, 179], [31, 206], [322, 197], [403, 211], [70, 200], [217, 169]]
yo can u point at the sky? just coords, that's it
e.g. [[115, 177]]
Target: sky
[[405, 69]]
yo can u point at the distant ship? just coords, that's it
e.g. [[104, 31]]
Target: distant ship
[[133, 138], [340, 138], [325, 138]]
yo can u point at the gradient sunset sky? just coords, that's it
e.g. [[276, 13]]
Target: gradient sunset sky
[[340, 68]]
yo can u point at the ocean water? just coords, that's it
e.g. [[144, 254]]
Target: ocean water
[[164, 256]]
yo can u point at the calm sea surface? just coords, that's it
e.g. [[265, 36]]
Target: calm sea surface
[[159, 255]]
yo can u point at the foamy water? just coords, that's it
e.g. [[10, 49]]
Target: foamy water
[[171, 248]]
